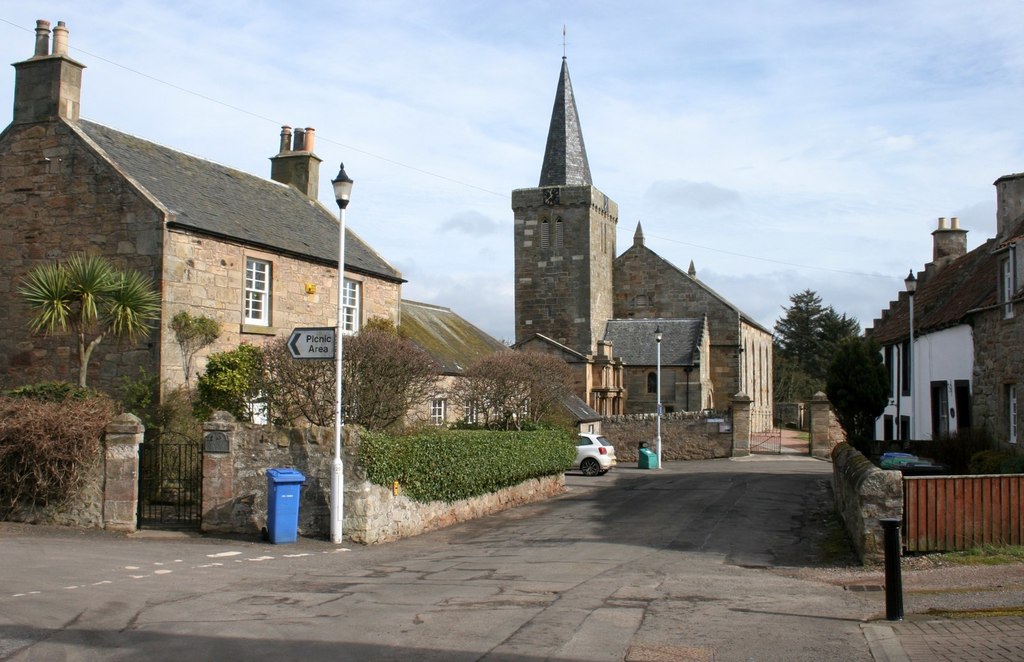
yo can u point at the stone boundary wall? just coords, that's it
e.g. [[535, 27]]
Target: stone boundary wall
[[235, 486], [376, 515], [684, 436], [864, 494]]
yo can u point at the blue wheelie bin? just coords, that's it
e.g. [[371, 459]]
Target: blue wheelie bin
[[283, 489]]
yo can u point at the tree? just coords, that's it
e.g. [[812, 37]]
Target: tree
[[806, 339], [192, 334], [92, 298], [858, 387], [385, 375], [507, 389], [298, 388]]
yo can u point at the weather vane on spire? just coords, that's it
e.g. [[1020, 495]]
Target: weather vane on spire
[[563, 41]]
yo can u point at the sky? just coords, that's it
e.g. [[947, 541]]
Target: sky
[[781, 145]]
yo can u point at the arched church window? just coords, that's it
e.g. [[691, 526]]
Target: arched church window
[[559, 233], [544, 233], [652, 382]]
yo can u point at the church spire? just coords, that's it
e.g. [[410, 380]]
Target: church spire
[[638, 236], [565, 157]]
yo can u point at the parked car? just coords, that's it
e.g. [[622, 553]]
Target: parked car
[[912, 465], [594, 454]]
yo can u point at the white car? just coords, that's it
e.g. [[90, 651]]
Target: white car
[[594, 454]]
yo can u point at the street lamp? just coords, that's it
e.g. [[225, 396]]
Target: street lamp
[[911, 282], [342, 193], [657, 338]]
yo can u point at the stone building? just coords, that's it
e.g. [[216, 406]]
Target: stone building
[[999, 326], [258, 255], [570, 286]]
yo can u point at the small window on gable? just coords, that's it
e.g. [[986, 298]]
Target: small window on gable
[[1007, 285], [257, 292]]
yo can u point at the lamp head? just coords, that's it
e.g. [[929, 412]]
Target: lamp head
[[911, 282], [342, 187], [657, 333]]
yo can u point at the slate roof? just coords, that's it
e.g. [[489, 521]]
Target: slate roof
[[565, 156], [580, 410], [633, 341], [227, 203], [450, 340], [943, 299]]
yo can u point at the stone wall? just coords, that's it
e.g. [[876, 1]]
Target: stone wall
[[235, 486], [684, 436], [206, 276], [58, 198], [864, 494], [998, 363]]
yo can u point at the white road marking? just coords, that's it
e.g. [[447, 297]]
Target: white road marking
[[222, 554], [162, 572]]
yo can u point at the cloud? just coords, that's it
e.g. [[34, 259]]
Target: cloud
[[472, 223], [683, 194]]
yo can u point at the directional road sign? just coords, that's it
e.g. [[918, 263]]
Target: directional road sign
[[312, 343]]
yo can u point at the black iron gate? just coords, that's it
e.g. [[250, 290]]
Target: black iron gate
[[765, 437], [170, 484]]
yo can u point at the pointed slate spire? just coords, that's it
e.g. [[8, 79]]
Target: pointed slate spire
[[638, 236], [692, 270], [565, 157]]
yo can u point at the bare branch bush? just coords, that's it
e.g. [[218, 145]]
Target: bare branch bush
[[505, 390], [296, 389], [48, 449]]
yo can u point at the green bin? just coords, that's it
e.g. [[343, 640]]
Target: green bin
[[648, 459]]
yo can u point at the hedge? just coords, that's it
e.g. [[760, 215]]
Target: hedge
[[448, 465]]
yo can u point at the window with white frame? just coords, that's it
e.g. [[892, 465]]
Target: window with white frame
[[257, 292], [350, 306], [1007, 286], [1011, 411], [437, 411]]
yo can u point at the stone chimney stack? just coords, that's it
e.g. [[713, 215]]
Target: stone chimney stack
[[295, 164], [948, 243], [48, 85]]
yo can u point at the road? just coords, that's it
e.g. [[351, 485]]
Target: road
[[677, 564]]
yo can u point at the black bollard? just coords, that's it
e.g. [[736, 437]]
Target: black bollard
[[893, 575]]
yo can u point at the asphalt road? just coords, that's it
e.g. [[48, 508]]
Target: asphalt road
[[677, 564]]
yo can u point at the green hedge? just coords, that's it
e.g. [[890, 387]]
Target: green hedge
[[448, 465]]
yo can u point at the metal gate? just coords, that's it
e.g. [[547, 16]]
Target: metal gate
[[765, 437], [170, 484]]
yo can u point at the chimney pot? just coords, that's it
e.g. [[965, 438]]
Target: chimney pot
[[955, 221], [42, 38], [299, 140], [310, 137], [286, 138], [60, 39], [942, 222]]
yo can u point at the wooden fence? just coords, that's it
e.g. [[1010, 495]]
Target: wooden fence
[[947, 513]]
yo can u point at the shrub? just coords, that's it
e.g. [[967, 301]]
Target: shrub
[[231, 383], [997, 462], [51, 392], [955, 450], [48, 449], [448, 465]]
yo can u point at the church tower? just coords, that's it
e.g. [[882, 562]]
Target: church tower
[[564, 239]]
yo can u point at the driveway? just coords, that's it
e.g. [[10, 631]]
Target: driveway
[[692, 562]]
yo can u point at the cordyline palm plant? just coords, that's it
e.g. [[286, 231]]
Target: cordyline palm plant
[[93, 298]]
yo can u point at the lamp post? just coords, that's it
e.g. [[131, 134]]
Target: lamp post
[[911, 282], [342, 193], [657, 338]]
